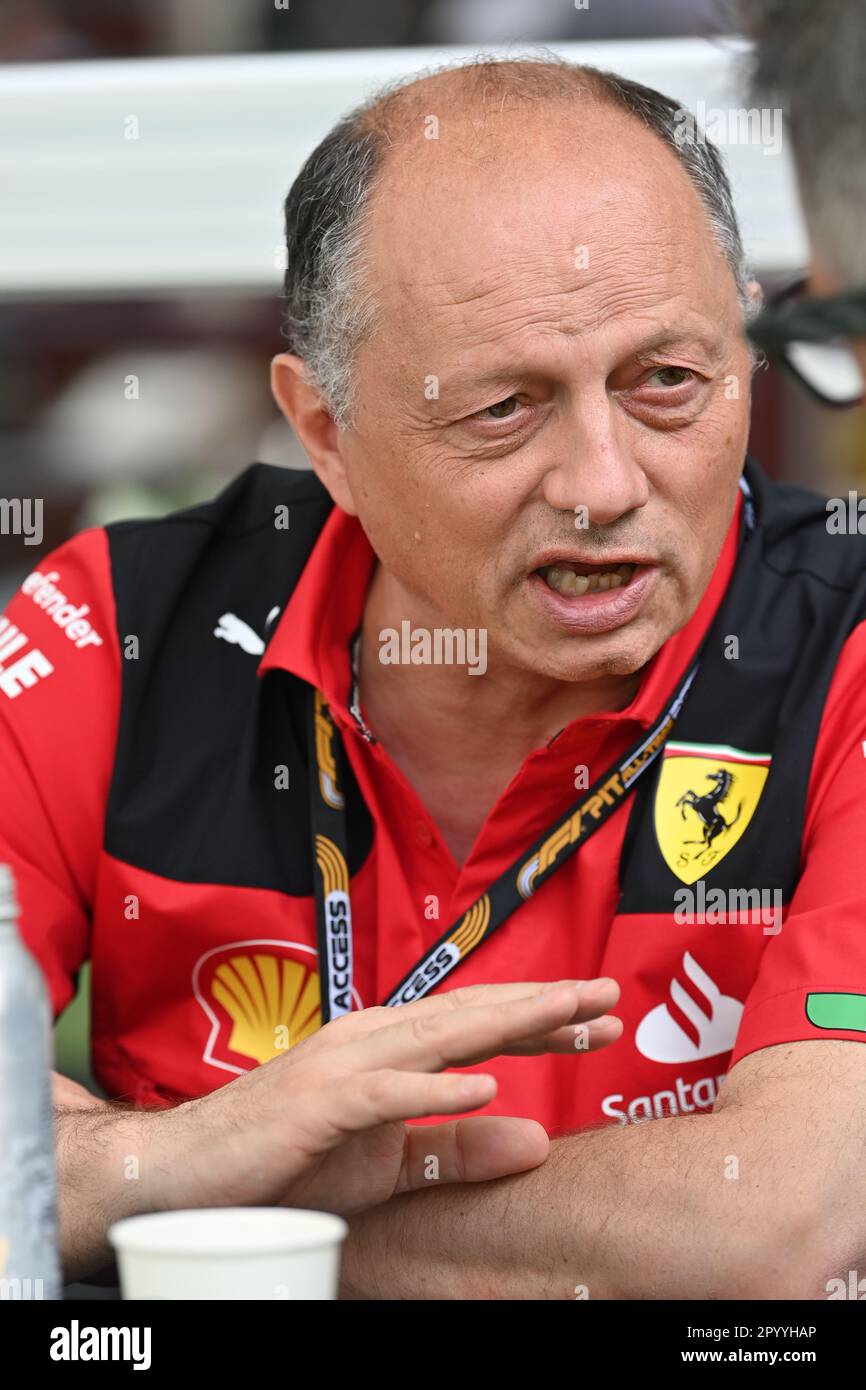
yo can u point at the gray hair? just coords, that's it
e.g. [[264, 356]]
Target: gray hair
[[329, 309], [810, 60]]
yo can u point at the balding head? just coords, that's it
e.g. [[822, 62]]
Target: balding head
[[462, 113]]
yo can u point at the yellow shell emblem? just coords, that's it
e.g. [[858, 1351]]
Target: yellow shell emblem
[[706, 796], [272, 1003], [261, 997]]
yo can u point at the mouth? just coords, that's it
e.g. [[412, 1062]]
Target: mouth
[[580, 596], [573, 580]]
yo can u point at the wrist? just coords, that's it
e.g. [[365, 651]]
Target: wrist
[[95, 1186]]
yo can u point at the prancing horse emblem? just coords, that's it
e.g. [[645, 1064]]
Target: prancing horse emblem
[[695, 829], [706, 807]]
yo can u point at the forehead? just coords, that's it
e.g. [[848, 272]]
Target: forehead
[[570, 216]]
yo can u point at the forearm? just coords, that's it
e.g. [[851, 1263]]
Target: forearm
[[105, 1170], [644, 1211]]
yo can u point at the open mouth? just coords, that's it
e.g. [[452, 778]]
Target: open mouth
[[573, 580], [578, 597]]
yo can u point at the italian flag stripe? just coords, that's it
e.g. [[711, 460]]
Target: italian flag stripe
[[715, 750]]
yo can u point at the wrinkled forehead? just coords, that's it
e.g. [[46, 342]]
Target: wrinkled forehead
[[571, 211]]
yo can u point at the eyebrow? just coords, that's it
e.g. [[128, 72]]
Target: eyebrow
[[710, 345]]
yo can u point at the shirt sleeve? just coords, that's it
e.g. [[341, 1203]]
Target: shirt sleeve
[[59, 700], [811, 982]]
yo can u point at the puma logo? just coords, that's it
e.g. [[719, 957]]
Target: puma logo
[[231, 629]]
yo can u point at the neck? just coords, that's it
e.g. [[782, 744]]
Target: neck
[[493, 720]]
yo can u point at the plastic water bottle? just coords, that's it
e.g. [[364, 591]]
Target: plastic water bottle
[[29, 1264]]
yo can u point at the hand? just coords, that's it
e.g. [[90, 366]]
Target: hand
[[322, 1125]]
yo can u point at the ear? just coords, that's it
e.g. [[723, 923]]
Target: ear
[[303, 406], [755, 295]]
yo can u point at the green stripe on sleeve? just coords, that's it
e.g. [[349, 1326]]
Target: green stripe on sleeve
[[837, 1011]]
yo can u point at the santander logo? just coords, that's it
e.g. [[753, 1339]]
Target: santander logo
[[694, 1022]]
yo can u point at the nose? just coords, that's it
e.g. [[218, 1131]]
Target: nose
[[593, 467]]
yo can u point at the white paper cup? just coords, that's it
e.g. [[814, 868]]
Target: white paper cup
[[229, 1252]]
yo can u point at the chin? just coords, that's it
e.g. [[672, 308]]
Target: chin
[[599, 668], [622, 652]]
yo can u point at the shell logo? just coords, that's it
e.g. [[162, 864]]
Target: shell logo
[[260, 997]]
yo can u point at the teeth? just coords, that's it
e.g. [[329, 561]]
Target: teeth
[[565, 581]]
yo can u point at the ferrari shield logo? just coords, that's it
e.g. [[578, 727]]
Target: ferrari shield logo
[[706, 795]]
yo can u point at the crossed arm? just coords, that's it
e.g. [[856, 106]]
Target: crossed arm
[[764, 1197]]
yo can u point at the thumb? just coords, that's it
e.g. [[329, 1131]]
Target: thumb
[[476, 1149]]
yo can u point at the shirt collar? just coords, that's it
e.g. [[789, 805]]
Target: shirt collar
[[313, 637]]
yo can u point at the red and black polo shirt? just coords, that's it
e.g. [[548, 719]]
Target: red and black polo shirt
[[154, 686]]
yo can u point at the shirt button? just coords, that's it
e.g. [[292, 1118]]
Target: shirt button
[[423, 832]]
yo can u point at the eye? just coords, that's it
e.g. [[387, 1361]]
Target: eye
[[501, 410], [671, 376]]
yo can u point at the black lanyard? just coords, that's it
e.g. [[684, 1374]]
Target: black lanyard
[[520, 880]]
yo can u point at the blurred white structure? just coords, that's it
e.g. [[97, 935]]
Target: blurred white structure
[[178, 410], [169, 174]]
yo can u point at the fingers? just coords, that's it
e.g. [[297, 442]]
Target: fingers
[[386, 1069], [573, 1038], [356, 1025], [595, 998], [589, 1028], [462, 1037], [397, 1073], [363, 1101], [477, 1149]]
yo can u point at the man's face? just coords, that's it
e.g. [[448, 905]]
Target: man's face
[[559, 343]]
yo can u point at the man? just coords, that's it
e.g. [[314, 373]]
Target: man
[[515, 302], [811, 61]]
